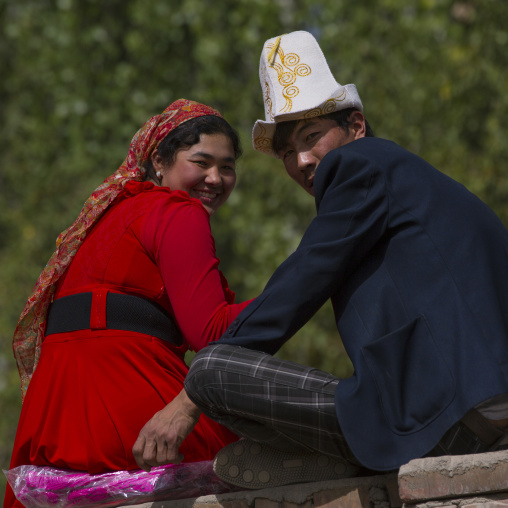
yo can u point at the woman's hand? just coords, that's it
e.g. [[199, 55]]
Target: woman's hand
[[159, 441]]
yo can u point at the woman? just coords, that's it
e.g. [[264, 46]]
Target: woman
[[134, 284]]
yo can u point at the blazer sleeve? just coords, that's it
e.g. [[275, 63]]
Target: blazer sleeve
[[352, 206]]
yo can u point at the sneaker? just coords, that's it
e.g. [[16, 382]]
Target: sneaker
[[252, 465]]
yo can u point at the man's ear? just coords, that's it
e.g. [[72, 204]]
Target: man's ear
[[357, 124]]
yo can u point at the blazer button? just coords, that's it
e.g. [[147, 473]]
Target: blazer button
[[231, 329]]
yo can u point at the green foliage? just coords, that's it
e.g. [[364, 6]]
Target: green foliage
[[80, 77]]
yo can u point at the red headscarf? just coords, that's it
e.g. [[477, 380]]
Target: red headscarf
[[30, 329]]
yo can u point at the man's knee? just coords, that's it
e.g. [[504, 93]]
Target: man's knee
[[202, 373]]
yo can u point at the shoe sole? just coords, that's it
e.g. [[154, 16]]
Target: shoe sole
[[252, 465]]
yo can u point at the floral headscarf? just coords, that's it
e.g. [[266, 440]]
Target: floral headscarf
[[30, 329]]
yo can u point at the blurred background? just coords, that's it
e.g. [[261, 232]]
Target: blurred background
[[79, 77]]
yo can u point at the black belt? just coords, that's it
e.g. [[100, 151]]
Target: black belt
[[123, 312]]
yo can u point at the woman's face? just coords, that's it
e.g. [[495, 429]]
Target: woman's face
[[206, 170]]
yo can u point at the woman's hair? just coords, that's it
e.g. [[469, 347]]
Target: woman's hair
[[188, 134], [283, 130]]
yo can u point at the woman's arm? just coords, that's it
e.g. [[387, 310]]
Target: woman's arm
[[183, 247]]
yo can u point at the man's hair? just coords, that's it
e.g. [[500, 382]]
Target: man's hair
[[283, 130]]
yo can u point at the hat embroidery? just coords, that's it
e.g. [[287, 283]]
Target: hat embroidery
[[268, 101], [261, 142], [271, 55], [329, 106], [287, 72]]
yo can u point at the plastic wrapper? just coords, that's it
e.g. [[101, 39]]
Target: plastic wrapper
[[41, 486]]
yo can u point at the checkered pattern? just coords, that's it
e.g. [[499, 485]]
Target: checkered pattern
[[461, 440], [284, 404], [281, 403]]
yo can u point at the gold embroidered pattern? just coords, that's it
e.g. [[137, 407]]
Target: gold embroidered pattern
[[271, 54], [287, 71], [268, 101], [262, 143], [328, 107]]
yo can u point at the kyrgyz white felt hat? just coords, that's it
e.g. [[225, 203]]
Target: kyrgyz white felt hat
[[297, 84]]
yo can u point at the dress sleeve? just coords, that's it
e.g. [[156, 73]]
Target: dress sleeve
[[179, 237]]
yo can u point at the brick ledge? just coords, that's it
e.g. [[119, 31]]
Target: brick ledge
[[378, 491], [466, 481]]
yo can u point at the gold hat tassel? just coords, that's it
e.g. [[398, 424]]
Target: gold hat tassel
[[273, 52]]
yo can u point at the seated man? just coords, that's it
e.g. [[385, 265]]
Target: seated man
[[415, 266]]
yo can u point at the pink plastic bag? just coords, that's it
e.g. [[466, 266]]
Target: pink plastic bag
[[41, 486]]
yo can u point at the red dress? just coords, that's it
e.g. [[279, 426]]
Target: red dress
[[93, 390]]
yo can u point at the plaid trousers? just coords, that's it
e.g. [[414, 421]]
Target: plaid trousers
[[292, 406], [281, 403]]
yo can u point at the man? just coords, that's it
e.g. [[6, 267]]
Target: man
[[415, 266]]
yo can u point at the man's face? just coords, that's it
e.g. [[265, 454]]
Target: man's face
[[310, 141]]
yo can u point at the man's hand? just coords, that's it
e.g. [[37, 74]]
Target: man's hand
[[160, 439]]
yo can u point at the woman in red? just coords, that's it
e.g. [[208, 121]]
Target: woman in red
[[133, 284]]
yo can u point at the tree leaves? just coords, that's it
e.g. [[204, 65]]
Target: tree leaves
[[80, 77]]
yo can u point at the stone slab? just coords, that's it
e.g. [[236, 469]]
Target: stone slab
[[268, 503], [490, 501], [330, 494], [344, 498], [453, 476]]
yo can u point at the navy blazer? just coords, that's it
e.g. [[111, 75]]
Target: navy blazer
[[417, 270]]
